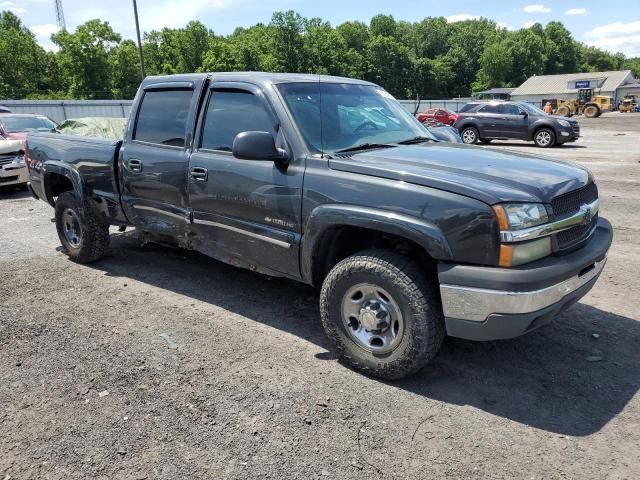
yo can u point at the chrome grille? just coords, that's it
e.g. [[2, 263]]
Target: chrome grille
[[568, 204]]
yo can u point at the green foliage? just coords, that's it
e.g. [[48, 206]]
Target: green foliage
[[84, 58], [428, 58], [25, 67]]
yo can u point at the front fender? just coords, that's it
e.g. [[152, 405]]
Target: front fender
[[325, 217]]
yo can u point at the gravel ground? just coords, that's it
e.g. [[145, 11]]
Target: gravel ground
[[242, 384]]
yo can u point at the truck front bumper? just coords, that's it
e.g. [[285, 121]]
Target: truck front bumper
[[489, 303]]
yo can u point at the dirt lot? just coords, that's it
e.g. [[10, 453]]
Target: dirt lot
[[88, 388]]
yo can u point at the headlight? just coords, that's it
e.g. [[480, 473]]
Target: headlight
[[564, 123], [19, 160], [516, 216]]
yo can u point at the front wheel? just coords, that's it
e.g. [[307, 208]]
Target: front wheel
[[84, 237], [469, 135], [382, 314], [544, 138], [591, 111]]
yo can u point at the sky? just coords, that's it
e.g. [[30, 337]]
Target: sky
[[614, 27]]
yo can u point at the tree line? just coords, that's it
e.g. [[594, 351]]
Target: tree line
[[430, 58]]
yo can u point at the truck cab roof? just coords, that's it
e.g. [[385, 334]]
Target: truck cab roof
[[259, 78]]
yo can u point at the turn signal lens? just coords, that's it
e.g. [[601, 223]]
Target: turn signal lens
[[506, 255], [503, 223]]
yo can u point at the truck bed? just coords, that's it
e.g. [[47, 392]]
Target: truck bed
[[93, 160]]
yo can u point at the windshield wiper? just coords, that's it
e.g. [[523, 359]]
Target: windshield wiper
[[413, 140], [364, 146]]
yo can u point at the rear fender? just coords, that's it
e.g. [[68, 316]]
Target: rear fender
[[54, 167]]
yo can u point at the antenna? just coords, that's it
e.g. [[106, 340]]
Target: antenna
[[60, 16]]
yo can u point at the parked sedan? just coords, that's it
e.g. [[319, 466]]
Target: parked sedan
[[14, 126], [441, 115], [485, 121]]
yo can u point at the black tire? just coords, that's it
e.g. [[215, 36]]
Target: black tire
[[592, 111], [469, 135], [564, 111], [416, 297], [485, 141], [92, 239], [544, 138]]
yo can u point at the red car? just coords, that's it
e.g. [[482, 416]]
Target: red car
[[14, 126], [441, 115]]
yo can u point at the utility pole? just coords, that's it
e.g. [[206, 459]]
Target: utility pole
[[135, 13], [60, 16]]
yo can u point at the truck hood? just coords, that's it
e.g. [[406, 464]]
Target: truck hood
[[486, 174]]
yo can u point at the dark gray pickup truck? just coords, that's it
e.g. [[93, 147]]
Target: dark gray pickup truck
[[331, 182]]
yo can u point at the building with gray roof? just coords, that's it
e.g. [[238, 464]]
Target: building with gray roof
[[565, 86]]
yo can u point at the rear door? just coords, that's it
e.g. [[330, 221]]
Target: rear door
[[490, 119], [245, 212], [153, 161]]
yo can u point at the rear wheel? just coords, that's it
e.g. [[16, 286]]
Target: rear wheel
[[382, 314], [544, 138], [83, 235], [591, 111], [469, 135]]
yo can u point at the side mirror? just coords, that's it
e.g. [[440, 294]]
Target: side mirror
[[524, 114], [257, 146]]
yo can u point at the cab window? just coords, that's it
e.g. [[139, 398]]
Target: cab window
[[162, 117], [230, 112]]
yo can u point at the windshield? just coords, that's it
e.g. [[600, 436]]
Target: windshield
[[350, 114], [531, 109], [25, 124]]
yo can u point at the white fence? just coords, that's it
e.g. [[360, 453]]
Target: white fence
[[60, 110], [452, 104]]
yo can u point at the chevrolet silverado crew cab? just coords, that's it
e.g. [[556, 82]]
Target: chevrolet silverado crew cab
[[331, 182]]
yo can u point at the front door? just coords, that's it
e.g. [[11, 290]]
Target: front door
[[514, 123], [153, 162], [245, 212]]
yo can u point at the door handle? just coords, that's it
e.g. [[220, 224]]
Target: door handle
[[199, 174], [134, 165]]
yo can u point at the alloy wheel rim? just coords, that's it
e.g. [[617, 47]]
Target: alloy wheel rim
[[544, 138], [372, 318], [71, 228], [468, 136]]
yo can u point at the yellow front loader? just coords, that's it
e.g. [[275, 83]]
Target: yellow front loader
[[587, 103]]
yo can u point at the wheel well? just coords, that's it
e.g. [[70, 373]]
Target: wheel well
[[55, 184], [548, 127], [340, 242]]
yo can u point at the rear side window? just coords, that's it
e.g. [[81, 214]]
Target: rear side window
[[230, 112], [492, 108], [468, 107], [511, 109], [162, 117]]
